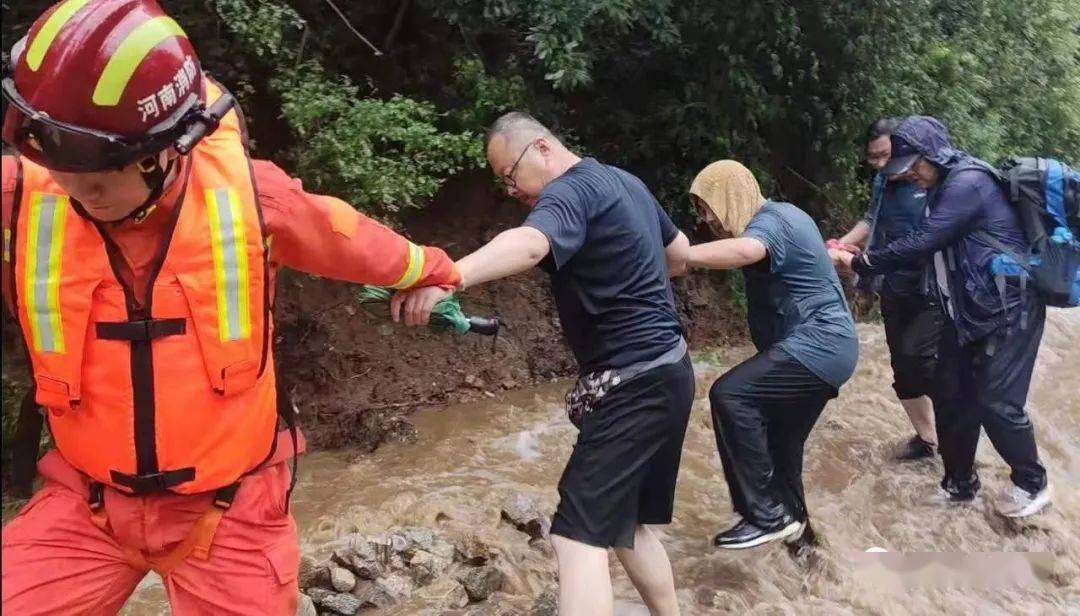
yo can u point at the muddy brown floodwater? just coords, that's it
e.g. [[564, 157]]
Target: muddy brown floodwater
[[469, 457]]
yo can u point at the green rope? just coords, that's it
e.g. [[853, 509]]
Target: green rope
[[445, 316]]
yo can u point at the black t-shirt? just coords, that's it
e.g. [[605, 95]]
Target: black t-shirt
[[607, 265]]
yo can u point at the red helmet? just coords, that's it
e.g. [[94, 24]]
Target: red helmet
[[100, 84]]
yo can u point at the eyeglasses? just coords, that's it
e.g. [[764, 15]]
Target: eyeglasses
[[508, 180]]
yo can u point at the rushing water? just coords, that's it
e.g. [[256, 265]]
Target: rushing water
[[469, 457]]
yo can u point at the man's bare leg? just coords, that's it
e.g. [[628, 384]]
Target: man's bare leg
[[584, 579], [921, 413], [650, 571]]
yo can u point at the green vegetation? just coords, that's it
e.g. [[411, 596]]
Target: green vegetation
[[657, 86], [663, 87]]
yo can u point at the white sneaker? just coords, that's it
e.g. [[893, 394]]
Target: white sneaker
[[1019, 503]]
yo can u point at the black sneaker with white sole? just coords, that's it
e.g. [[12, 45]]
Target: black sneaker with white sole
[[796, 536], [953, 492], [746, 535]]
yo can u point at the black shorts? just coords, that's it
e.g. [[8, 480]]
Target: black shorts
[[913, 326], [623, 469]]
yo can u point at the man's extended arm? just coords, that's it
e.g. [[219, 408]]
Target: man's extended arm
[[858, 234], [510, 252], [727, 254], [956, 214]]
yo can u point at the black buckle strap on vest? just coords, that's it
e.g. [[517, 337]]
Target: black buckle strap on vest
[[26, 445], [97, 495], [154, 482], [133, 331], [287, 414], [223, 497]]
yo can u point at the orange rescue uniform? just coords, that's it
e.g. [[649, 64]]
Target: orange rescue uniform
[[151, 348]]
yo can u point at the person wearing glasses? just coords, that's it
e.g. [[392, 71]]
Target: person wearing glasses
[[610, 251], [912, 315]]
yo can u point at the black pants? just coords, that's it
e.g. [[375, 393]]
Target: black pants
[[763, 410], [913, 325], [988, 388]]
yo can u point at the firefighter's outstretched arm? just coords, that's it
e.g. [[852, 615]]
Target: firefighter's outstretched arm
[[327, 237]]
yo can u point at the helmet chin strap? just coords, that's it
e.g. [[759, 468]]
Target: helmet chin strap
[[154, 175]]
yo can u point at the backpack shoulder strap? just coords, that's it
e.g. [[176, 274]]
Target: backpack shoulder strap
[[980, 165], [877, 197]]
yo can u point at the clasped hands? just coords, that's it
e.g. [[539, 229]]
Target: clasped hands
[[841, 254]]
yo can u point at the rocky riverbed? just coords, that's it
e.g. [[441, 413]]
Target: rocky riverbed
[[424, 571]]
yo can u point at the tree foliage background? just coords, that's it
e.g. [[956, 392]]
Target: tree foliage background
[[661, 87]]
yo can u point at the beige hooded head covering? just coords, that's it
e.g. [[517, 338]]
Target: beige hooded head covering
[[731, 192]]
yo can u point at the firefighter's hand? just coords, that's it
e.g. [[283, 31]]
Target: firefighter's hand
[[414, 306]]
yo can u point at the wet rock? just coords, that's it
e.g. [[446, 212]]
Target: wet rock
[[371, 595], [307, 571], [305, 606], [342, 580], [383, 547], [419, 538], [396, 585], [526, 514], [424, 566], [312, 575], [364, 569], [365, 545], [443, 549], [335, 602], [480, 582], [472, 551], [547, 604], [444, 594], [368, 570], [365, 557]]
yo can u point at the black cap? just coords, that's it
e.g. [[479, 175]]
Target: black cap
[[903, 157]]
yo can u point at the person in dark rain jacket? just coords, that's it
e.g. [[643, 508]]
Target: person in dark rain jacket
[[988, 350]]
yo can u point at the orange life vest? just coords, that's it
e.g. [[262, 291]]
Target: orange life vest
[[178, 394]]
